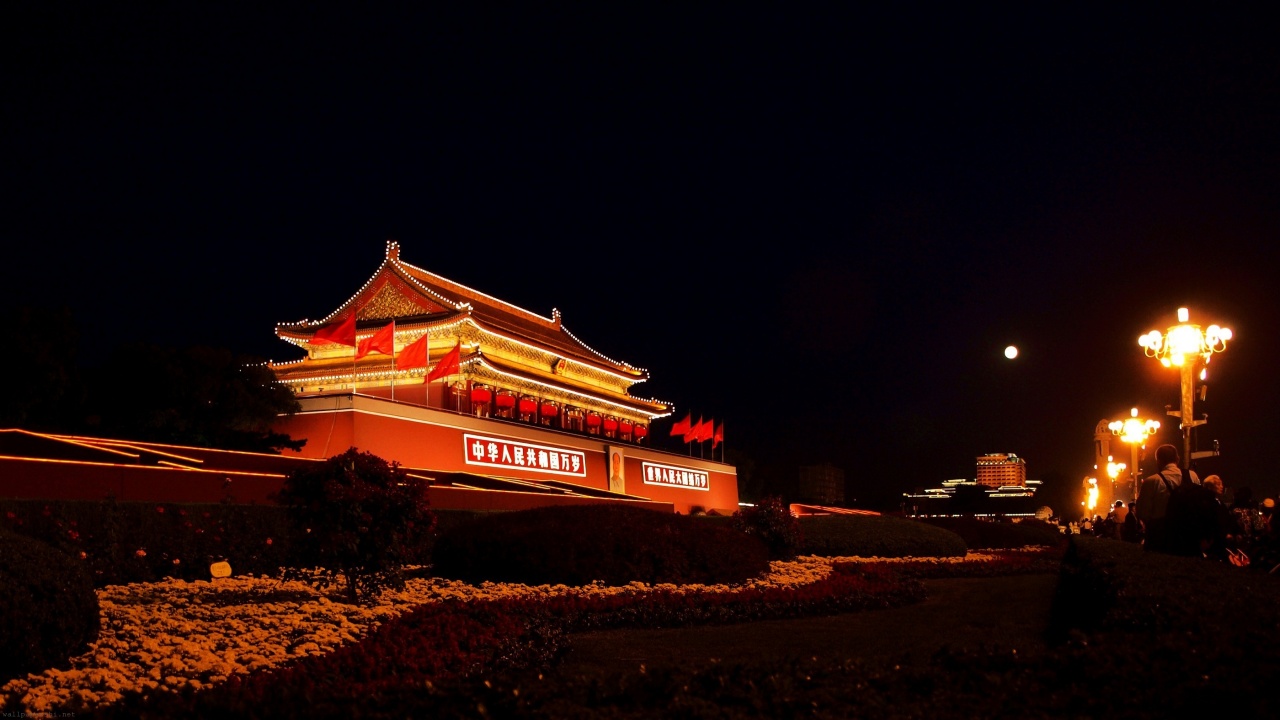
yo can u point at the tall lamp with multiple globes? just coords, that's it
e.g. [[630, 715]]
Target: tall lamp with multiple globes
[[1187, 347], [1135, 432]]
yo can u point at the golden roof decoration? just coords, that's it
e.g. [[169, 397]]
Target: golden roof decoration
[[389, 302], [389, 294]]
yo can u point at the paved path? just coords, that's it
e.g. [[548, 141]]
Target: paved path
[[1010, 612]]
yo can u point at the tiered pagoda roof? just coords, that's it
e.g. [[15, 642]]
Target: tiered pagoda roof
[[502, 346]]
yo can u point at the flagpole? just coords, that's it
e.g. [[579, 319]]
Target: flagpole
[[444, 391], [393, 359]]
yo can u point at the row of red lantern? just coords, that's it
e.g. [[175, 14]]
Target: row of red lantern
[[530, 408]]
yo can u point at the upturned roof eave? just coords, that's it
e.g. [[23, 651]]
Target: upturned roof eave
[[654, 409], [491, 308], [487, 312]]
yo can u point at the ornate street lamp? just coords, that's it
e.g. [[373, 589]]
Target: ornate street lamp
[[1114, 469], [1090, 496], [1186, 346], [1135, 432]]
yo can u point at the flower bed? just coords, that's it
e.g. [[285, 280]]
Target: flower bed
[[1162, 637], [174, 640], [989, 563]]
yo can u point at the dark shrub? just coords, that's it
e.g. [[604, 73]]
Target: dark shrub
[[48, 608], [772, 522], [877, 536], [124, 542], [355, 518], [988, 534], [445, 521], [616, 544]]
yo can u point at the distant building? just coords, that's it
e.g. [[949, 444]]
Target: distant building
[[1001, 488], [821, 484], [1001, 470]]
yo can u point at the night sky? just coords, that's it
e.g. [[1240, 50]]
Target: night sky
[[822, 227]]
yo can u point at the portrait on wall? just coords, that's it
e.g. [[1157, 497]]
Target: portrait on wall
[[617, 470]]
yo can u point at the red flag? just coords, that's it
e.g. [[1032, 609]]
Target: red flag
[[681, 428], [343, 333], [718, 436], [414, 355], [383, 341], [448, 364], [691, 434], [706, 430]]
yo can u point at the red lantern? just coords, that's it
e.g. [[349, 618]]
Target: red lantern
[[593, 420], [480, 395], [527, 406], [505, 400], [610, 424], [641, 431], [549, 410]]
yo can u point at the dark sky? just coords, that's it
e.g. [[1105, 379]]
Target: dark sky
[[821, 226]]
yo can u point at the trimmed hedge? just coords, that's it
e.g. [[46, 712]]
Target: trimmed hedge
[[876, 536], [614, 544], [989, 535], [126, 542], [48, 608], [1149, 592]]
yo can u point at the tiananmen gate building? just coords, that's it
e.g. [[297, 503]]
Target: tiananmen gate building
[[515, 400]]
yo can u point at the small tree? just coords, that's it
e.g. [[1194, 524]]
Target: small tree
[[772, 522], [355, 518], [203, 396]]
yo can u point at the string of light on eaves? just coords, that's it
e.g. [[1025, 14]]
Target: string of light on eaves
[[555, 313], [597, 352], [488, 338], [413, 331], [554, 321], [465, 366], [467, 289], [399, 265], [385, 260], [388, 374], [415, 278], [489, 334], [599, 401]]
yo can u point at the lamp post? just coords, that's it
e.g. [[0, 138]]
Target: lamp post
[[1090, 496], [1185, 346], [1114, 470], [1135, 432]]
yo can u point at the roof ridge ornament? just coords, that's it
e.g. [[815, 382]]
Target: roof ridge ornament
[[393, 250]]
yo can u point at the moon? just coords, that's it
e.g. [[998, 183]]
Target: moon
[[1011, 352]]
